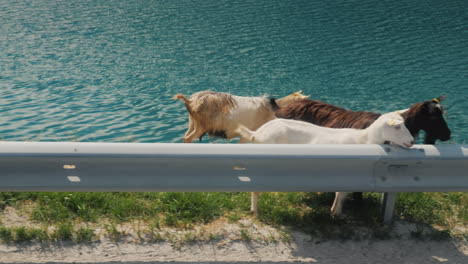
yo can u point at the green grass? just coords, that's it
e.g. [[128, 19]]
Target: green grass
[[434, 208], [15, 198], [308, 212], [245, 236], [6, 234], [63, 232], [22, 234], [83, 234], [90, 207], [179, 209]]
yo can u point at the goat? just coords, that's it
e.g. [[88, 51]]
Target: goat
[[219, 114], [426, 116], [388, 127]]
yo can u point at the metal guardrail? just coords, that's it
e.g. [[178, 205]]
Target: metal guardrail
[[70, 166]]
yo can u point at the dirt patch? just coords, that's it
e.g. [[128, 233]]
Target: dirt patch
[[300, 249]]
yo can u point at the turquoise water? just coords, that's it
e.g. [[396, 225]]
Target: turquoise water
[[107, 70]]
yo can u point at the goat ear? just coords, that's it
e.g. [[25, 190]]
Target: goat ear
[[299, 93], [394, 123], [400, 112], [440, 98], [391, 122]]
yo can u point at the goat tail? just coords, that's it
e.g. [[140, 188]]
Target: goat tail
[[245, 133], [181, 97], [186, 101]]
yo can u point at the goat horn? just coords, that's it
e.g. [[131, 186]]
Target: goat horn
[[440, 98]]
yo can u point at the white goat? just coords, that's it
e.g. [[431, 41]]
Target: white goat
[[219, 114], [388, 127]]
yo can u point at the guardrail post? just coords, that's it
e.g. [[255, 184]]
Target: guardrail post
[[388, 206]]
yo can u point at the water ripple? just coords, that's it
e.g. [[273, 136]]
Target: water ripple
[[107, 70]]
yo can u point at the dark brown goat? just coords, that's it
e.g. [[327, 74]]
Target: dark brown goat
[[427, 116]]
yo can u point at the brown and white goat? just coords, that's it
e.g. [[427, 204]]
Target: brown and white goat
[[219, 114], [426, 116]]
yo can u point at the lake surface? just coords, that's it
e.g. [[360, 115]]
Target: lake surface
[[107, 70]]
